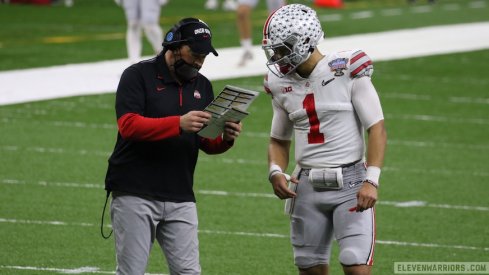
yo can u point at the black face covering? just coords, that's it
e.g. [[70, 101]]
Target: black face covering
[[184, 71]]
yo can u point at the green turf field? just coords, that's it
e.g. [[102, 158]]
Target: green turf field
[[434, 199], [33, 36]]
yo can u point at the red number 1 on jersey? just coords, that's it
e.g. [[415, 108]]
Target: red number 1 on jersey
[[314, 136]]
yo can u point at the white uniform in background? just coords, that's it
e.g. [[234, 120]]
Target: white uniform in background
[[142, 15], [227, 5], [245, 28]]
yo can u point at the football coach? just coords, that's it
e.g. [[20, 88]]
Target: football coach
[[159, 105]]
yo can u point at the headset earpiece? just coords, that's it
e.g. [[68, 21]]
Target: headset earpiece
[[173, 38]]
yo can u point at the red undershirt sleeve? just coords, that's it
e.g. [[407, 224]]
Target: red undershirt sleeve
[[215, 146], [136, 127]]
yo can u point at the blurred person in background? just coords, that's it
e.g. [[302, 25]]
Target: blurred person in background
[[243, 21], [414, 1], [142, 15], [227, 5]]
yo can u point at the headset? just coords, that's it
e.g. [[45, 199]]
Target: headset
[[173, 38]]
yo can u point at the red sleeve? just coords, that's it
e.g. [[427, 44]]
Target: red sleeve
[[215, 146], [136, 127]]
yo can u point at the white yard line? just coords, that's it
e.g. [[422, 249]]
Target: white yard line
[[19, 86], [438, 119], [400, 204], [407, 143], [415, 117], [244, 161], [256, 234], [79, 270]]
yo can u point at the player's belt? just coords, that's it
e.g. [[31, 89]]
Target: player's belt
[[330, 178], [350, 164], [305, 172]]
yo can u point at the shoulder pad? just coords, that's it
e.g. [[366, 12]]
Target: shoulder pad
[[360, 64]]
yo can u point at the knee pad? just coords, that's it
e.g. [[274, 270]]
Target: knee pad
[[155, 36], [351, 256], [152, 28], [134, 26], [154, 33], [306, 256]]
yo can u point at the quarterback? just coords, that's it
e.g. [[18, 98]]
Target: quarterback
[[327, 102]]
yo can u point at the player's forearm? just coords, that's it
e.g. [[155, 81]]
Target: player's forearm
[[377, 141], [278, 153]]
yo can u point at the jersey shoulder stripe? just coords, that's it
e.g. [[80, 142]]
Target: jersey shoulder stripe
[[360, 64]]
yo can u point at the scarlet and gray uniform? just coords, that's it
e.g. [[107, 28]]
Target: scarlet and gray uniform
[[328, 112]]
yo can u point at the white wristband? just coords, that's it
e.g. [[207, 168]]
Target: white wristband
[[287, 176], [373, 175], [274, 169]]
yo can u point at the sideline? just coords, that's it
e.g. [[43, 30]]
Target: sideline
[[18, 86]]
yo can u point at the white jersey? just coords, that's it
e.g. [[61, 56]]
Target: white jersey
[[329, 129]]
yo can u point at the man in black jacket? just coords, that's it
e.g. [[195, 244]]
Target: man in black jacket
[[159, 105]]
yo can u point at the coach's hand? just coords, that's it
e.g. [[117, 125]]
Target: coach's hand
[[366, 197], [193, 121], [232, 130]]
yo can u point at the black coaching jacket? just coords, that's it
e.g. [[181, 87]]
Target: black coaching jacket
[[152, 156]]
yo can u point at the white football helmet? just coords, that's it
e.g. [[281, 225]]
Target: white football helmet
[[290, 35]]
